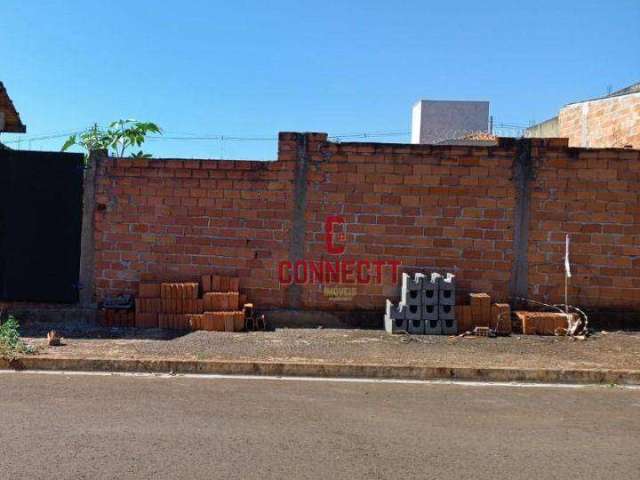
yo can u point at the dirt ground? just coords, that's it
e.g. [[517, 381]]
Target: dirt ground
[[619, 350]]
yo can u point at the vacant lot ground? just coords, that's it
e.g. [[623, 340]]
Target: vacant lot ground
[[618, 350]]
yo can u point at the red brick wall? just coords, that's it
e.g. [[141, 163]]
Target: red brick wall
[[181, 218], [594, 195], [433, 208], [608, 122]]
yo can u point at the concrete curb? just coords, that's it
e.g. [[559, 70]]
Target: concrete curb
[[325, 370]]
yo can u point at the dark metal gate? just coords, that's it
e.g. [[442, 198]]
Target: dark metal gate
[[40, 225]]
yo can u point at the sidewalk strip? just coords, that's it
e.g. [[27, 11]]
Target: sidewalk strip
[[325, 370]]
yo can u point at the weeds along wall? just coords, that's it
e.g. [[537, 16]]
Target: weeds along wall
[[494, 216]]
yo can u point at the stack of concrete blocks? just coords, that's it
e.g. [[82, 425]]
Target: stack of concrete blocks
[[446, 304], [426, 306], [430, 288]]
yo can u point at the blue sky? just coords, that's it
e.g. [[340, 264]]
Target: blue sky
[[253, 68]]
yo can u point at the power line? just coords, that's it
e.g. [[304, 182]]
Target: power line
[[186, 137], [212, 137], [230, 138], [27, 139]]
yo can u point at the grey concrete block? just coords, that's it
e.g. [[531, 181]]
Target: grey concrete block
[[447, 318], [415, 326], [432, 327], [411, 288], [430, 316], [430, 286], [430, 312], [413, 312], [395, 320], [447, 290], [446, 311]]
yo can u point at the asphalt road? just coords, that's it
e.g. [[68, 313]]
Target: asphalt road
[[99, 427]]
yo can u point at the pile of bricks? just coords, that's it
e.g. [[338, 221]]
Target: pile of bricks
[[214, 304], [427, 306], [482, 313], [544, 323]]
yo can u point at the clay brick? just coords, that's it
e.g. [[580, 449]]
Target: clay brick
[[463, 316], [501, 318], [480, 309], [168, 305], [233, 300], [149, 290], [182, 322], [192, 306], [195, 321], [211, 301], [239, 318], [146, 320], [199, 305], [154, 305], [542, 323], [221, 301], [234, 284], [191, 290], [205, 280], [214, 321], [162, 320], [229, 321], [168, 290]]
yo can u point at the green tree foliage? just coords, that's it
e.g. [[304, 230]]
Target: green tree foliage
[[118, 139]]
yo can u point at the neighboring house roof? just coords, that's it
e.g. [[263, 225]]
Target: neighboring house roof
[[484, 136], [472, 139], [11, 121], [553, 128], [635, 88]]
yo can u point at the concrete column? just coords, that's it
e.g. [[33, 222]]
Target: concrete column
[[523, 174], [87, 242], [298, 222]]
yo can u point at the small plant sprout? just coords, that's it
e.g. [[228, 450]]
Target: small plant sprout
[[10, 341]]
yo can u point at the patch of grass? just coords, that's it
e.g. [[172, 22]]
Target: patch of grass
[[10, 342]]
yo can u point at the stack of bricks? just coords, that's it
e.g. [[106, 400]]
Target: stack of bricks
[[167, 305], [221, 299], [178, 305], [427, 306], [481, 313]]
